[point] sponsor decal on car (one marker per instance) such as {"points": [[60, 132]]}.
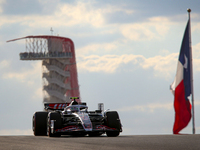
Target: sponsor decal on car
{"points": [[68, 128], [103, 127]]}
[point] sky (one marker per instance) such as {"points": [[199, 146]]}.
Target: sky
{"points": [[126, 52]]}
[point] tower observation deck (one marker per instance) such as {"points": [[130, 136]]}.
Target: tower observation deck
{"points": [[60, 80]]}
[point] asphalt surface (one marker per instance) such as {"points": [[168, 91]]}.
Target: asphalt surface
{"points": [[136, 142]]}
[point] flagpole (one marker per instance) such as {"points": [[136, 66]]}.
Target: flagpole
{"points": [[191, 66]]}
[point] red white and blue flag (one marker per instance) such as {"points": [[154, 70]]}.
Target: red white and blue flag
{"points": [[181, 87]]}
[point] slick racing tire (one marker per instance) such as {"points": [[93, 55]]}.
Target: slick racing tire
{"points": [[40, 123], [113, 121], [57, 124]]}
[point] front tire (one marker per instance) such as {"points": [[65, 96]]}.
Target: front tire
{"points": [[113, 121]]}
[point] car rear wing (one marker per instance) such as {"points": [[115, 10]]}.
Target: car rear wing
{"points": [[55, 106]]}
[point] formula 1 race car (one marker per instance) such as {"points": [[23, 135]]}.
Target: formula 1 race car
{"points": [[75, 119]]}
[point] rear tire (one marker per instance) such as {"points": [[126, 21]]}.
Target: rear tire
{"points": [[113, 121], [40, 123], [57, 124]]}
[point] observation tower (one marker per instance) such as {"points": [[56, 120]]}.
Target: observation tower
{"points": [[60, 80]]}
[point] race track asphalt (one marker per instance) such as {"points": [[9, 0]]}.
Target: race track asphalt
{"points": [[135, 142]]}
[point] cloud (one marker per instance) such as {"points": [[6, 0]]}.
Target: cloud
{"points": [[24, 74], [4, 64], [84, 14], [87, 12], [195, 27], [29, 77], [153, 28], [147, 108], [11, 7], [38, 94], [87, 16], [97, 47], [1, 2], [106, 63], [113, 9], [49, 7], [163, 66], [65, 15], [152, 107]]}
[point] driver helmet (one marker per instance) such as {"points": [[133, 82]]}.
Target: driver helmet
{"points": [[74, 102]]}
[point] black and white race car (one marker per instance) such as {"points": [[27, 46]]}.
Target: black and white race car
{"points": [[75, 119]]}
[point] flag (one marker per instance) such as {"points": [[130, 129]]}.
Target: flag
{"points": [[181, 87]]}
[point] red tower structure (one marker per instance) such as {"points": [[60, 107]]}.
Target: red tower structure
{"points": [[60, 78]]}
